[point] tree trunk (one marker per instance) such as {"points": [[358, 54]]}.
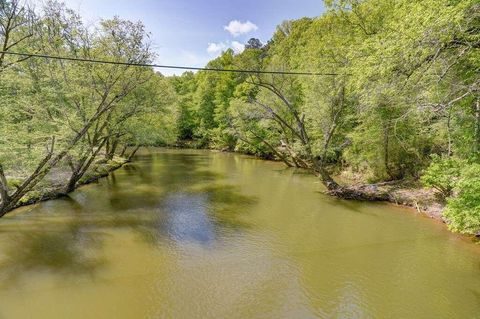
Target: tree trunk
{"points": [[72, 182], [299, 162], [4, 198], [449, 133], [111, 151], [82, 167], [360, 193], [272, 148], [124, 149], [386, 142], [107, 148], [129, 159], [477, 125]]}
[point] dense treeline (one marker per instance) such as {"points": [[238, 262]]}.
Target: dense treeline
{"points": [[403, 103], [398, 99], [58, 118]]}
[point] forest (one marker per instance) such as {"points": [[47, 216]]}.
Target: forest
{"points": [[392, 94]]}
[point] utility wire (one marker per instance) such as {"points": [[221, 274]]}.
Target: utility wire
{"points": [[54, 57]]}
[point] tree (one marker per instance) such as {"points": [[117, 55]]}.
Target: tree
{"points": [[254, 43], [80, 98], [16, 27]]}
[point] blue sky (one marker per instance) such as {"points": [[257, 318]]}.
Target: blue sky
{"points": [[188, 32]]}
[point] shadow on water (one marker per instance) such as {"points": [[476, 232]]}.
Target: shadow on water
{"points": [[476, 293], [228, 205], [350, 205], [63, 249], [145, 183], [170, 198], [148, 195]]}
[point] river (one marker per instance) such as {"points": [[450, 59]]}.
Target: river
{"points": [[199, 234]]}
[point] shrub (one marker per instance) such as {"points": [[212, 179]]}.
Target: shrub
{"points": [[442, 174], [463, 210]]}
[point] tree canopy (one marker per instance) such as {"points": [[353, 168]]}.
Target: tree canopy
{"points": [[398, 99]]}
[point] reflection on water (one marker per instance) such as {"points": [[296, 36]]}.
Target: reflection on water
{"points": [[195, 234], [188, 218], [178, 204]]}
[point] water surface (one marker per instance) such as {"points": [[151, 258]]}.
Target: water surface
{"points": [[197, 234]]}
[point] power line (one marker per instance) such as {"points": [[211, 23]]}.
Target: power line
{"points": [[54, 57]]}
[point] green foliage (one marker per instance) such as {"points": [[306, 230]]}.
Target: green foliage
{"points": [[184, 87], [443, 174], [463, 210]]}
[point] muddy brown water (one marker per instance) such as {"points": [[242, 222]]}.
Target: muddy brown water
{"points": [[198, 234]]}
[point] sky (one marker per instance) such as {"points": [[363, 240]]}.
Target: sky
{"points": [[192, 32]]}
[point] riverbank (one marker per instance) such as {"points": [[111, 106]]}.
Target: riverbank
{"points": [[407, 193], [53, 185], [424, 201], [412, 194]]}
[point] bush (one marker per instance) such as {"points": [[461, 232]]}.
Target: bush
{"points": [[442, 174], [222, 140], [463, 210]]}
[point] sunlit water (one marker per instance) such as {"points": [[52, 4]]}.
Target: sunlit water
{"points": [[196, 234]]}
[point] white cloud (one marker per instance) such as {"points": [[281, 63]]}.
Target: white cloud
{"points": [[237, 47], [237, 28], [215, 48]]}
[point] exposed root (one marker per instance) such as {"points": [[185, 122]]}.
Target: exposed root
{"points": [[368, 192]]}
